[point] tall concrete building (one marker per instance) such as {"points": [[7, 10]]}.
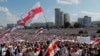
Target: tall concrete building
{"points": [[66, 17], [59, 18], [80, 20], [86, 21]]}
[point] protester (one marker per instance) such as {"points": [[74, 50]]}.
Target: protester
{"points": [[23, 43]]}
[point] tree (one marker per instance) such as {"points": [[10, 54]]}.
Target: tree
{"points": [[77, 25], [98, 24], [81, 32], [67, 24], [98, 31]]}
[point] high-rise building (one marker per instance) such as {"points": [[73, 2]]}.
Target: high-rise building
{"points": [[80, 20], [59, 18], [66, 17], [57, 10], [86, 21]]}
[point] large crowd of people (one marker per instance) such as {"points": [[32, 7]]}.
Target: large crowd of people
{"points": [[26, 43], [66, 48]]}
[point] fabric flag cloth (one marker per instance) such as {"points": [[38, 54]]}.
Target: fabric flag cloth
{"points": [[26, 19], [31, 14], [52, 49], [96, 41], [38, 51], [39, 31], [71, 40], [5, 34]]}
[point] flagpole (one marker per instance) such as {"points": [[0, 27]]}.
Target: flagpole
{"points": [[45, 21]]}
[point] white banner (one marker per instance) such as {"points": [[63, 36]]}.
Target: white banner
{"points": [[81, 39]]}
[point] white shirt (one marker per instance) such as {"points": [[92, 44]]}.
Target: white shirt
{"points": [[4, 51], [80, 52]]}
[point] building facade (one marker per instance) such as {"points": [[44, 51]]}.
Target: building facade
{"points": [[59, 18], [10, 25], [86, 21], [66, 17], [80, 20], [44, 25]]}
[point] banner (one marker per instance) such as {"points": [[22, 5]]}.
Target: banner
{"points": [[81, 39]]}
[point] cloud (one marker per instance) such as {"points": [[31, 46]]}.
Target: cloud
{"points": [[3, 0], [7, 16], [94, 15], [70, 2]]}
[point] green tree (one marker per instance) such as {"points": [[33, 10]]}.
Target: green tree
{"points": [[67, 24], [77, 25], [81, 32], [98, 25], [98, 31]]}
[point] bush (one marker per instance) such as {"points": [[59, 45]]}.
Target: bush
{"points": [[98, 31]]}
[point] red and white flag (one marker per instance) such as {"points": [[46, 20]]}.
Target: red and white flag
{"points": [[26, 19], [39, 31], [31, 14], [52, 49], [96, 40], [38, 51], [71, 40], [5, 34]]}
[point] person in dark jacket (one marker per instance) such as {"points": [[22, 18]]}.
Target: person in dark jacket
{"points": [[98, 52], [8, 52]]}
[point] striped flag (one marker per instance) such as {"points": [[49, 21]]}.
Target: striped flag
{"points": [[39, 31], [30, 15], [51, 51], [5, 34], [96, 41]]}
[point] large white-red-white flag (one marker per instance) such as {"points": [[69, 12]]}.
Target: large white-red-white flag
{"points": [[31, 14], [5, 34], [52, 49]]}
